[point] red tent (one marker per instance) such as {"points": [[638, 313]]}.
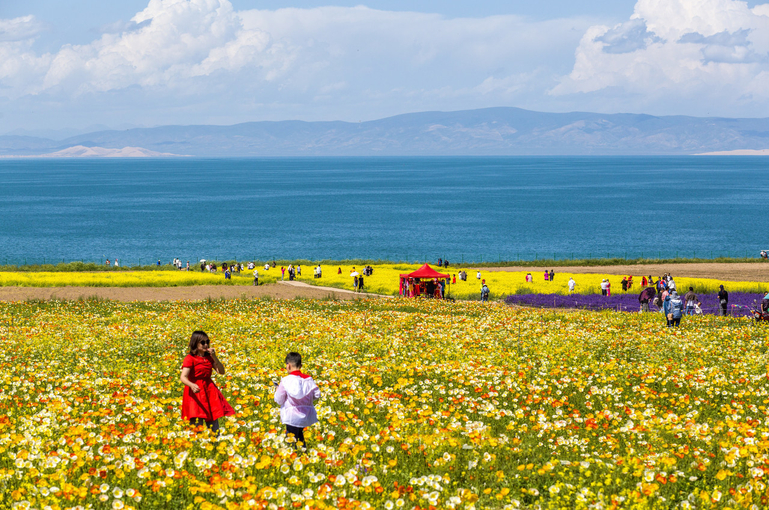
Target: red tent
{"points": [[425, 272]]}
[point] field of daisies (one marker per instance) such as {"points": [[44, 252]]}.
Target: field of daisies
{"points": [[425, 405]]}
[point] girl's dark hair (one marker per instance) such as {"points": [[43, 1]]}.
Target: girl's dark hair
{"points": [[195, 339]]}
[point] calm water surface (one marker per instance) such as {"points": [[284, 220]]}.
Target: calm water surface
{"points": [[392, 208]]}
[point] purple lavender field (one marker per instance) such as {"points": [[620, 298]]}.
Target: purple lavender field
{"points": [[740, 303]]}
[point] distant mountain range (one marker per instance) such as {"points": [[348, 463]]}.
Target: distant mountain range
{"points": [[489, 131]]}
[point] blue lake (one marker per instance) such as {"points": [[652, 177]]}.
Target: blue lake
{"points": [[506, 208]]}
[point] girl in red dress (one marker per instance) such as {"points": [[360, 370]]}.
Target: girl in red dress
{"points": [[202, 401]]}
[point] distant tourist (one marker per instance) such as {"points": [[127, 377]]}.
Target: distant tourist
{"points": [[552, 275], [484, 293], [603, 287], [440, 262], [107, 262], [723, 300], [256, 277], [690, 298], [547, 275], [674, 309], [478, 275], [572, 284], [116, 264]]}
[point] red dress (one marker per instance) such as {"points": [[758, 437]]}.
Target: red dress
{"points": [[209, 402]]}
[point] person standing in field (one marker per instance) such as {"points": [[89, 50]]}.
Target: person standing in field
{"points": [[256, 277], [202, 402], [671, 283], [547, 275], [674, 309], [296, 395], [484, 293], [282, 273], [608, 288], [572, 284], [690, 298], [723, 301], [552, 275], [603, 287]]}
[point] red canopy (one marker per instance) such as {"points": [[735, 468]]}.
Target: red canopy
{"points": [[425, 272]]}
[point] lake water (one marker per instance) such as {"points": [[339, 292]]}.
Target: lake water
{"points": [[471, 209]]}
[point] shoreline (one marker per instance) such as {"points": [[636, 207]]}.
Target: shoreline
{"points": [[305, 289]]}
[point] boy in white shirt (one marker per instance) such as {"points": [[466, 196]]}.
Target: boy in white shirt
{"points": [[572, 284], [296, 394]]}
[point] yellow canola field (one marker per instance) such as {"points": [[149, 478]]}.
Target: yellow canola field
{"points": [[424, 405], [123, 279], [383, 281]]}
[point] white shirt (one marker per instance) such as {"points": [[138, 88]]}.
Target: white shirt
{"points": [[295, 395], [256, 273], [572, 283], [478, 275], [266, 267]]}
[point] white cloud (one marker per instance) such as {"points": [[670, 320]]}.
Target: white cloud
{"points": [[203, 46], [19, 29], [679, 54]]}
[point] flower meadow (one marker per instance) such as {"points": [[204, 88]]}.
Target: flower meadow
{"points": [[425, 405], [385, 280]]}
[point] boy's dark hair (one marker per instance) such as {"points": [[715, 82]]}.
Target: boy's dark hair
{"points": [[294, 359], [691, 289]]}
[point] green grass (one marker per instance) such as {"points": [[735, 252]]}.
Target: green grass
{"points": [[309, 264]]}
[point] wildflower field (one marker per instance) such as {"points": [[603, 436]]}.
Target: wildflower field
{"points": [[425, 405], [383, 281]]}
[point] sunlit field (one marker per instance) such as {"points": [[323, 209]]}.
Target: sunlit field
{"points": [[425, 404], [383, 281]]}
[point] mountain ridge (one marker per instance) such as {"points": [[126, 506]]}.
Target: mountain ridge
{"points": [[481, 132]]}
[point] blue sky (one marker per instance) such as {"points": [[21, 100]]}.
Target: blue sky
{"points": [[76, 65]]}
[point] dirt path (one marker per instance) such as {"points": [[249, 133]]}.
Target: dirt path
{"points": [[352, 294], [193, 293], [736, 272]]}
